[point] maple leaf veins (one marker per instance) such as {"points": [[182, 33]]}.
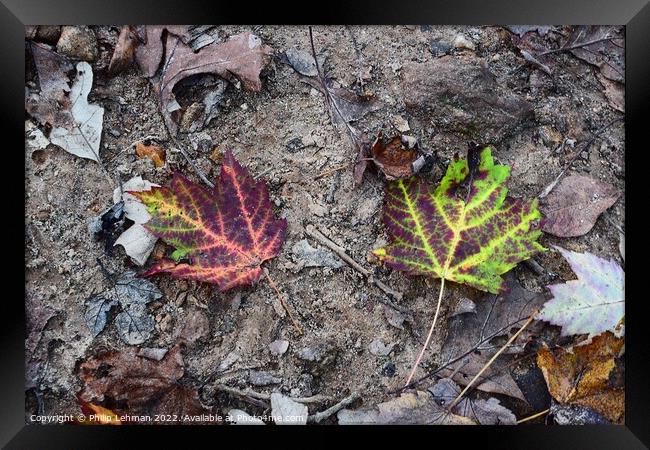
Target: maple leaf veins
{"points": [[467, 237], [225, 233]]}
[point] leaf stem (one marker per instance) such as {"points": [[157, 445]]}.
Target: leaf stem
{"points": [[426, 344], [489, 363], [284, 305]]}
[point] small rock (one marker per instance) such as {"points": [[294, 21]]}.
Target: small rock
{"points": [[228, 361], [295, 145], [316, 208], [114, 132], [409, 141], [302, 62], [401, 124], [378, 348], [153, 353], [388, 370], [278, 347], [48, 33], [309, 256], [285, 411], [239, 417], [78, 42], [439, 47], [262, 378], [318, 356], [394, 317], [462, 42]]}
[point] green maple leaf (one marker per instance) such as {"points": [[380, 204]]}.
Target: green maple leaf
{"points": [[468, 237]]}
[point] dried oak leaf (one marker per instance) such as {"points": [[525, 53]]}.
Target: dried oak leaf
{"points": [[131, 384], [226, 233], [601, 46], [468, 236], [147, 149], [124, 50], [581, 375], [393, 158], [241, 57], [573, 207], [593, 303]]}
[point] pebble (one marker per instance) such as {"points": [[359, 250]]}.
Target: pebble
{"points": [[462, 42], [388, 370], [400, 124], [409, 141], [323, 354], [78, 42], [263, 378], [279, 347], [439, 47], [378, 348]]}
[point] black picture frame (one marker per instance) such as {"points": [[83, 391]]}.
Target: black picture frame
{"points": [[15, 14]]}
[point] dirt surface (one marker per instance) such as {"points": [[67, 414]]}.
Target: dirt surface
{"points": [[284, 135]]}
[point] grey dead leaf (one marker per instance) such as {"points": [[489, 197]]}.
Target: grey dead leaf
{"points": [[308, 256], [137, 241], [302, 62], [50, 105], [97, 312], [494, 315], [240, 58], [286, 411], [134, 323], [483, 412], [410, 408], [81, 135], [573, 207], [132, 294]]}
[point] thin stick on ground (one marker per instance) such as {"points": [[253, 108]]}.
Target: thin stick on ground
{"points": [[489, 363], [311, 231], [319, 416], [426, 343], [267, 397], [284, 305], [534, 416]]}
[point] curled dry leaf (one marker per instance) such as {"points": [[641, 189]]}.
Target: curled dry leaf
{"points": [[242, 57], [393, 158], [137, 241], [131, 384], [581, 375], [97, 415], [148, 149], [573, 207], [593, 303]]}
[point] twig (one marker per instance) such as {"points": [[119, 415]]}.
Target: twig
{"points": [[534, 416], [311, 231], [333, 409], [573, 47], [426, 343], [551, 186], [260, 396], [284, 305], [331, 171], [489, 363]]}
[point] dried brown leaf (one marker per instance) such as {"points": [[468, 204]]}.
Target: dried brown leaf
{"points": [[581, 375], [573, 207], [393, 158], [147, 149]]}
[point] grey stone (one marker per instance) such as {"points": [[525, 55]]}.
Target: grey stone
{"points": [[78, 42]]}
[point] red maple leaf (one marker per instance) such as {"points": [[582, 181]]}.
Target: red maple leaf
{"points": [[225, 233]]}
